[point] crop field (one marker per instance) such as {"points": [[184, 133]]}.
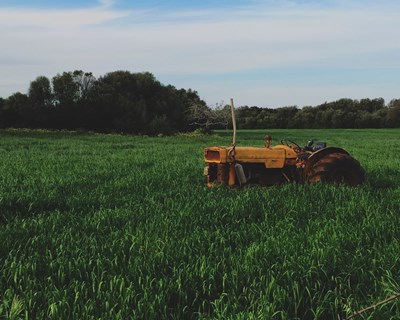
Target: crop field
{"points": [[123, 227]]}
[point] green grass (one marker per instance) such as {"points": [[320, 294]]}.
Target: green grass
{"points": [[121, 227]]}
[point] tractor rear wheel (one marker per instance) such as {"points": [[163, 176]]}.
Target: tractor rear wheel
{"points": [[337, 168]]}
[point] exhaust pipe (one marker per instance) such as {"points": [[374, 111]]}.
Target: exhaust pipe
{"points": [[240, 174]]}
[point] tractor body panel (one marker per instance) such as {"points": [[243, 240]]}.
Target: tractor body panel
{"points": [[273, 158], [216, 154], [270, 158], [232, 166]]}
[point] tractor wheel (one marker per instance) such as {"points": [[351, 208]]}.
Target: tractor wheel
{"points": [[337, 168]]}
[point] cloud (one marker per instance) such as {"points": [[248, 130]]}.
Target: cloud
{"points": [[263, 40], [106, 3], [20, 18]]}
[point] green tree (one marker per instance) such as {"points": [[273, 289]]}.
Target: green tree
{"points": [[85, 81], [2, 104], [304, 119], [40, 93], [371, 106], [14, 113], [282, 116], [129, 102], [342, 119], [66, 90], [393, 113]]}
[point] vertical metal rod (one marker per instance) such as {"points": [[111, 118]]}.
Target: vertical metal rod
{"points": [[233, 123]]}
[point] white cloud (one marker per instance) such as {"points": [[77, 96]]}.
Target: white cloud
{"points": [[235, 43], [107, 3], [21, 18]]}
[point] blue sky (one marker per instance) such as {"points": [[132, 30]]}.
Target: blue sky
{"points": [[268, 53]]}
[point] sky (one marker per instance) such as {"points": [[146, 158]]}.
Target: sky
{"points": [[266, 53]]}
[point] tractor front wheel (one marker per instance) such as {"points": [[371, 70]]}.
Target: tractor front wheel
{"points": [[337, 168]]}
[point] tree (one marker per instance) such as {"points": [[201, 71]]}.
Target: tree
{"points": [[371, 106], [202, 116], [304, 119], [14, 111], [111, 97], [2, 104], [393, 113], [66, 90], [85, 81], [343, 119], [72, 87], [282, 117], [40, 93], [129, 102]]}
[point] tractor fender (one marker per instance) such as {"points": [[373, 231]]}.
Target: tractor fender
{"points": [[316, 156]]}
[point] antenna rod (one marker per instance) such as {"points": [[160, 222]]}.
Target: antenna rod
{"points": [[233, 123]]}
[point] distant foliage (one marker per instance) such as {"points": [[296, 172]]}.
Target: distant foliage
{"points": [[343, 113], [119, 101], [137, 103]]}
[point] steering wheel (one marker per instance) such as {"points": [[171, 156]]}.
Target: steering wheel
{"points": [[290, 144]]}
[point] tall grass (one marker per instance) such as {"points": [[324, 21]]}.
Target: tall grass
{"points": [[121, 227]]}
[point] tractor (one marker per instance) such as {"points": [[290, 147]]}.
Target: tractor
{"points": [[286, 162]]}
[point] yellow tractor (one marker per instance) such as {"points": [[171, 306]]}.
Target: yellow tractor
{"points": [[286, 162]]}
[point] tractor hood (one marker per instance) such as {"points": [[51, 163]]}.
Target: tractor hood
{"points": [[274, 157]]}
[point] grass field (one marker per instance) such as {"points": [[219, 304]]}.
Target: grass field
{"points": [[121, 227]]}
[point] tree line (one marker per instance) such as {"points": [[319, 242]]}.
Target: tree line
{"points": [[343, 113], [119, 101], [138, 103]]}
